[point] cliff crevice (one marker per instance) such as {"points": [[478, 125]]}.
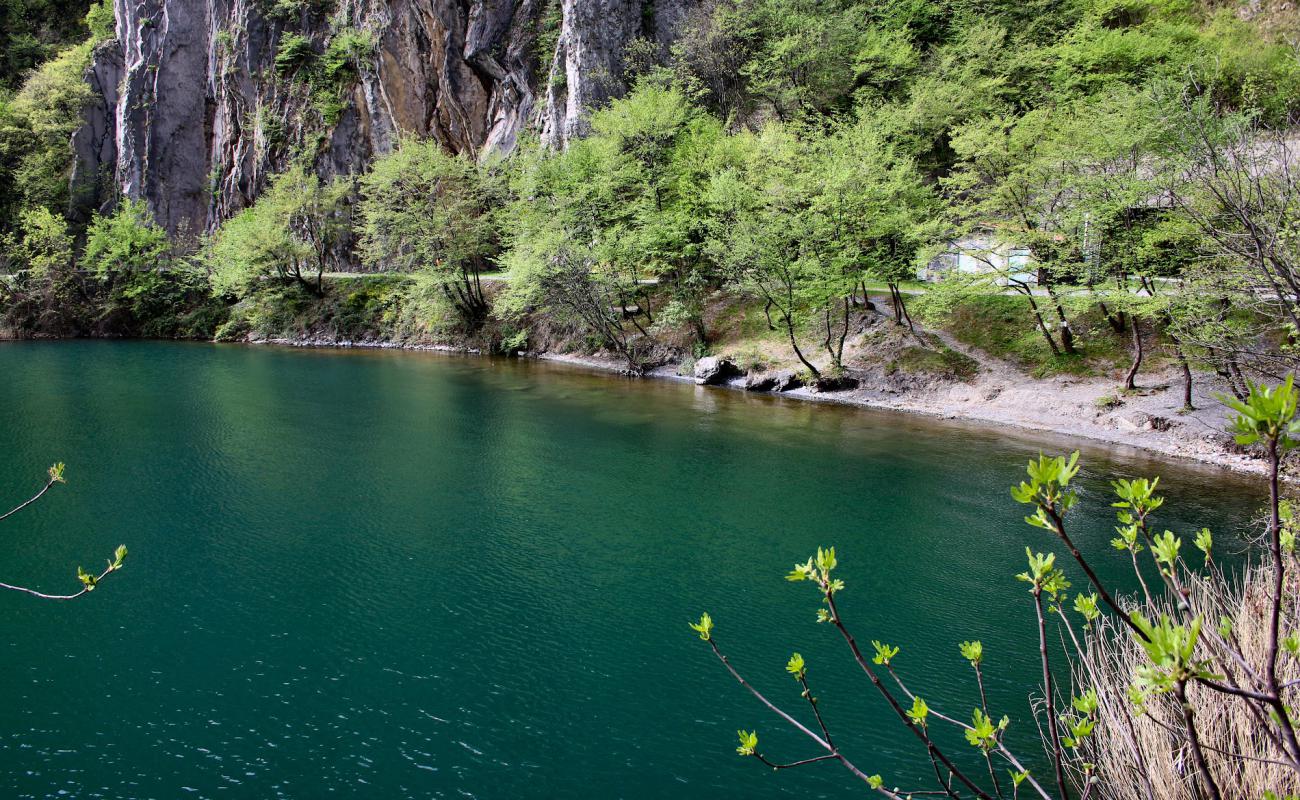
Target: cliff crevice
{"points": [[201, 101]]}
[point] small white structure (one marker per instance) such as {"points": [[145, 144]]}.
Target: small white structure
{"points": [[982, 253]]}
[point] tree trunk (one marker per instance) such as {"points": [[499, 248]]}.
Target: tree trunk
{"points": [[789, 329], [1187, 373], [1137, 356], [1067, 335], [902, 306], [1238, 383], [844, 334], [1042, 323]]}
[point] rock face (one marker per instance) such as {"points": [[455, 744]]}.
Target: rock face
{"points": [[203, 100], [715, 371]]}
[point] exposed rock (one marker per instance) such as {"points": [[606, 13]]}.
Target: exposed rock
{"points": [[760, 382], [834, 383], [94, 144], [715, 371], [786, 380], [204, 115], [1160, 423], [961, 393], [1136, 421]]}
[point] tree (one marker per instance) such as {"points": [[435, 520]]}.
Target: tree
{"points": [[1010, 176], [286, 236], [424, 209], [565, 253], [1179, 649], [138, 284], [629, 203], [874, 206], [1237, 182], [661, 153], [44, 292], [89, 580], [763, 232], [36, 126]]}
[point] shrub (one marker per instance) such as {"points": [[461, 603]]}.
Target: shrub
{"points": [[294, 53]]}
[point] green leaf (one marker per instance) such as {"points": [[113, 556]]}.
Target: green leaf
{"points": [[796, 667], [919, 711], [704, 627], [1086, 605], [884, 653], [1204, 542], [1165, 548], [748, 743]]}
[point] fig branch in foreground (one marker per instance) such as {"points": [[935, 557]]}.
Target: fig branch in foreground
{"points": [[1178, 650], [89, 580]]}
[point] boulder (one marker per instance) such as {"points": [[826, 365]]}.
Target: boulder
{"points": [[785, 380], [715, 371], [760, 382]]}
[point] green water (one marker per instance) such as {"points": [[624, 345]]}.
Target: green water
{"points": [[387, 575]]}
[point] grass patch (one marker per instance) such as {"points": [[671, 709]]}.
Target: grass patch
{"points": [[1004, 327], [942, 362]]}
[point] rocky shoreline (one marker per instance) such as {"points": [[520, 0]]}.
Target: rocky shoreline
{"points": [[1150, 419]]}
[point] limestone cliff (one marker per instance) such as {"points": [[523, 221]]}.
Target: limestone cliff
{"points": [[202, 100]]}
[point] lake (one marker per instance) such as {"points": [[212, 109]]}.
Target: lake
{"points": [[384, 574]]}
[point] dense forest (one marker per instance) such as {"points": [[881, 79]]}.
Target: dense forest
{"points": [[781, 161]]}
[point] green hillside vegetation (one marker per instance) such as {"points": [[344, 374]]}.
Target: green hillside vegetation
{"points": [[788, 162]]}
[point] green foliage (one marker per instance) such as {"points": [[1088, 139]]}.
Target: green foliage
{"points": [[1086, 606], [1266, 415], [425, 210], [142, 289], [1048, 488], [34, 31], [983, 733], [44, 246], [704, 627], [919, 713], [884, 653], [748, 743], [285, 237], [1043, 576], [294, 53], [1171, 650], [1204, 542], [100, 21], [348, 51], [35, 129], [796, 667], [125, 241]]}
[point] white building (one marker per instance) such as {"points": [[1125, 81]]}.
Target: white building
{"points": [[981, 253]]}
